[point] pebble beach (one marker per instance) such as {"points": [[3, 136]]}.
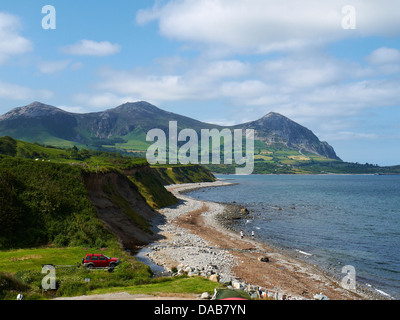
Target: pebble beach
{"points": [[196, 238]]}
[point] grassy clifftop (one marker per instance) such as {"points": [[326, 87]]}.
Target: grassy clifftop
{"points": [[182, 174]]}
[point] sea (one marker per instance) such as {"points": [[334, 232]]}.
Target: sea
{"points": [[332, 221]]}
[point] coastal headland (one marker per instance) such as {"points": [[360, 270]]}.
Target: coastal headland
{"points": [[197, 242]]}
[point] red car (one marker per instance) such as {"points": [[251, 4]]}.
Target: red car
{"points": [[95, 260]]}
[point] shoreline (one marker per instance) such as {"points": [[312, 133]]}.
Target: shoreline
{"points": [[197, 240]]}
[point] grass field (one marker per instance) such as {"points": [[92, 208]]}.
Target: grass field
{"points": [[21, 272], [13, 261]]}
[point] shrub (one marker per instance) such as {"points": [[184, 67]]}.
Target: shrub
{"points": [[71, 288]]}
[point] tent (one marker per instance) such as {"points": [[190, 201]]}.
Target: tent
{"points": [[230, 294]]}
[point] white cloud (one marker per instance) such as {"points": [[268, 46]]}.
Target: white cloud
{"points": [[73, 109], [169, 87], [383, 56], [220, 122], [171, 64], [11, 42], [274, 25], [246, 89], [92, 48], [308, 71], [317, 85], [224, 69], [17, 92], [102, 100], [49, 67], [348, 135]]}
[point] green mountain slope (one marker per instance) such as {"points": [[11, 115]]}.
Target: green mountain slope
{"points": [[123, 129]]}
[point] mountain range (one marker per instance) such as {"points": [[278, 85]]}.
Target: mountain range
{"points": [[124, 129]]}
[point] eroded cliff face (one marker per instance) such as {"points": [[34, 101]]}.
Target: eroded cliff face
{"points": [[122, 208], [126, 202]]}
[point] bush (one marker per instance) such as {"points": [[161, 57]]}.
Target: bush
{"points": [[136, 272], [31, 278], [71, 288], [8, 146]]}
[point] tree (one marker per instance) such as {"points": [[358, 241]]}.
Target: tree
{"points": [[8, 146]]}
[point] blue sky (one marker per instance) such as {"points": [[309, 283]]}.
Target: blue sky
{"points": [[219, 61]]}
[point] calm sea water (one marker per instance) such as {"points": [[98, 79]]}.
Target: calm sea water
{"points": [[337, 219]]}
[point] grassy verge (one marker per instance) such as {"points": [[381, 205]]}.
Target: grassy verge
{"points": [[21, 272], [167, 286]]}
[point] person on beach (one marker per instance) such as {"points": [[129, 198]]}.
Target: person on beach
{"points": [[252, 234], [241, 234]]}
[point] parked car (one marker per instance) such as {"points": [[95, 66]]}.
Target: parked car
{"points": [[95, 260]]}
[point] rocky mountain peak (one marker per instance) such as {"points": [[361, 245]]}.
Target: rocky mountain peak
{"points": [[140, 106], [32, 110], [275, 128], [273, 115]]}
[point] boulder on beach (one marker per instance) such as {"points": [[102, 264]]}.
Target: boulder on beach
{"points": [[238, 285], [244, 211], [214, 277], [263, 259], [205, 296]]}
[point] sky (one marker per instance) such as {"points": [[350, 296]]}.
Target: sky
{"points": [[332, 66]]}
